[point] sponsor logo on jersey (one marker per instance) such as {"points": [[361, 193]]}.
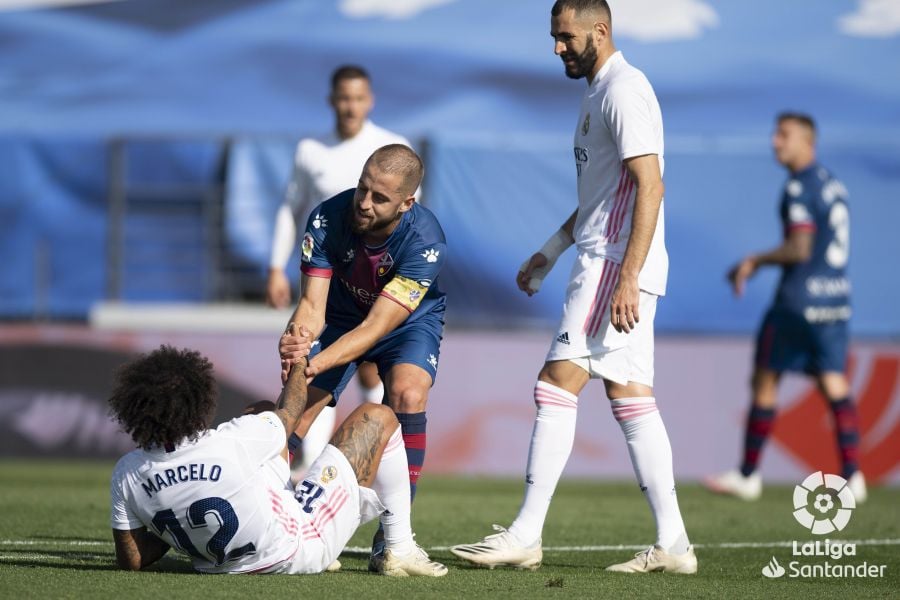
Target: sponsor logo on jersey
{"points": [[431, 255], [563, 338], [306, 247], [794, 188], [414, 295], [581, 159], [385, 264], [432, 360], [365, 296], [425, 283], [586, 125], [351, 254]]}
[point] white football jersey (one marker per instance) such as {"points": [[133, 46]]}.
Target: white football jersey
{"points": [[326, 166], [620, 118], [323, 167], [222, 500]]}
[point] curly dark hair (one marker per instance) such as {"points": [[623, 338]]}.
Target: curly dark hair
{"points": [[165, 396]]}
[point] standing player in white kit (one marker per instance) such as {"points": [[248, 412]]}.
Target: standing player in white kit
{"points": [[606, 329]]}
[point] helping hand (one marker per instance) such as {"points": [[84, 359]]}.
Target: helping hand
{"points": [[294, 345]]}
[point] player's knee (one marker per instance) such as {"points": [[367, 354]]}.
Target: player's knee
{"points": [[407, 398], [380, 413]]}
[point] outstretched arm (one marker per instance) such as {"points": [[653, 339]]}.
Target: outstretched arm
{"points": [[385, 316], [137, 548], [309, 315], [292, 402], [797, 248]]}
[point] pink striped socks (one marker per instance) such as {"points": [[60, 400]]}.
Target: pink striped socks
{"points": [[551, 444], [651, 457]]}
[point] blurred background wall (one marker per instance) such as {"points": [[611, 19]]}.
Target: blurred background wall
{"points": [[145, 146]]}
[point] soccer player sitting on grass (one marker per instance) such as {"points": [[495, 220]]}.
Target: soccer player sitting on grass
{"points": [[220, 497]]}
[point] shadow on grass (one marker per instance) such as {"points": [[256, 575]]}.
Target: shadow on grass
{"points": [[100, 561]]}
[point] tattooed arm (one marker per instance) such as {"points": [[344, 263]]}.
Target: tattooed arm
{"points": [[293, 398], [137, 548]]}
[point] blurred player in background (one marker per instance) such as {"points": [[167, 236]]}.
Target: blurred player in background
{"points": [[805, 329], [607, 324], [219, 496], [323, 167], [370, 262]]}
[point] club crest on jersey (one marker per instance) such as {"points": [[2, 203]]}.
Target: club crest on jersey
{"points": [[586, 125], [328, 474], [384, 264], [319, 221], [306, 247]]}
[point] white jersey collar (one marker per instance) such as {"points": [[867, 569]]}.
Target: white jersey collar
{"points": [[614, 59]]}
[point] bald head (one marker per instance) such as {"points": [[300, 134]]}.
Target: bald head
{"points": [[397, 159]]}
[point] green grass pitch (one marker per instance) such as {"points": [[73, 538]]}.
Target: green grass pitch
{"points": [[55, 543]]}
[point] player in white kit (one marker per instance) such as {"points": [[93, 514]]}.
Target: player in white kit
{"points": [[325, 166], [606, 330], [220, 496]]}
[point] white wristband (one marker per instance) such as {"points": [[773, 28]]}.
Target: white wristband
{"points": [[552, 249]]}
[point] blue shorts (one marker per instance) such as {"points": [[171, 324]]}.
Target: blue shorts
{"points": [[788, 342], [417, 343]]}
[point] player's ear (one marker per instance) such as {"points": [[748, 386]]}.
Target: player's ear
{"points": [[407, 204]]}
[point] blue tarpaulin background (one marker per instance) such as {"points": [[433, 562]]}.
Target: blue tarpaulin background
{"points": [[217, 93]]}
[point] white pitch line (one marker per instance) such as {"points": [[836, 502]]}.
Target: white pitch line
{"points": [[608, 548], [721, 545]]}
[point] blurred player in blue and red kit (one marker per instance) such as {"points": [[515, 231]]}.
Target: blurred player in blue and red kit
{"points": [[805, 329], [370, 261]]}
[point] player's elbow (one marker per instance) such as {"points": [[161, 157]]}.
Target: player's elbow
{"points": [[128, 563]]}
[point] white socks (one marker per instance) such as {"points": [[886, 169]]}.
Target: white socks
{"points": [[318, 436], [651, 456], [392, 486], [551, 444], [373, 395]]}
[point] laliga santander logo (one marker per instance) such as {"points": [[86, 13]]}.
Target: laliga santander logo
{"points": [[823, 503], [773, 569]]}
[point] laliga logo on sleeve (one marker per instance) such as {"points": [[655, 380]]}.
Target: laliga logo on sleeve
{"points": [[823, 503]]}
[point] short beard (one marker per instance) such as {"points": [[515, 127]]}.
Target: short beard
{"points": [[584, 62], [373, 226]]}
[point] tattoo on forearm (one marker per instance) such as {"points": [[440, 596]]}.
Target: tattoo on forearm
{"points": [[293, 398], [359, 441]]}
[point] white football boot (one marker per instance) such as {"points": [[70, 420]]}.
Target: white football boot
{"points": [[655, 558], [501, 550], [735, 484], [416, 562]]}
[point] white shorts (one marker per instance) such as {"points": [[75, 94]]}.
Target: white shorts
{"points": [[333, 505], [587, 338]]}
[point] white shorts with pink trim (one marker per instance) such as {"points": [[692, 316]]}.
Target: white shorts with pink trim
{"points": [[586, 336], [333, 505]]}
